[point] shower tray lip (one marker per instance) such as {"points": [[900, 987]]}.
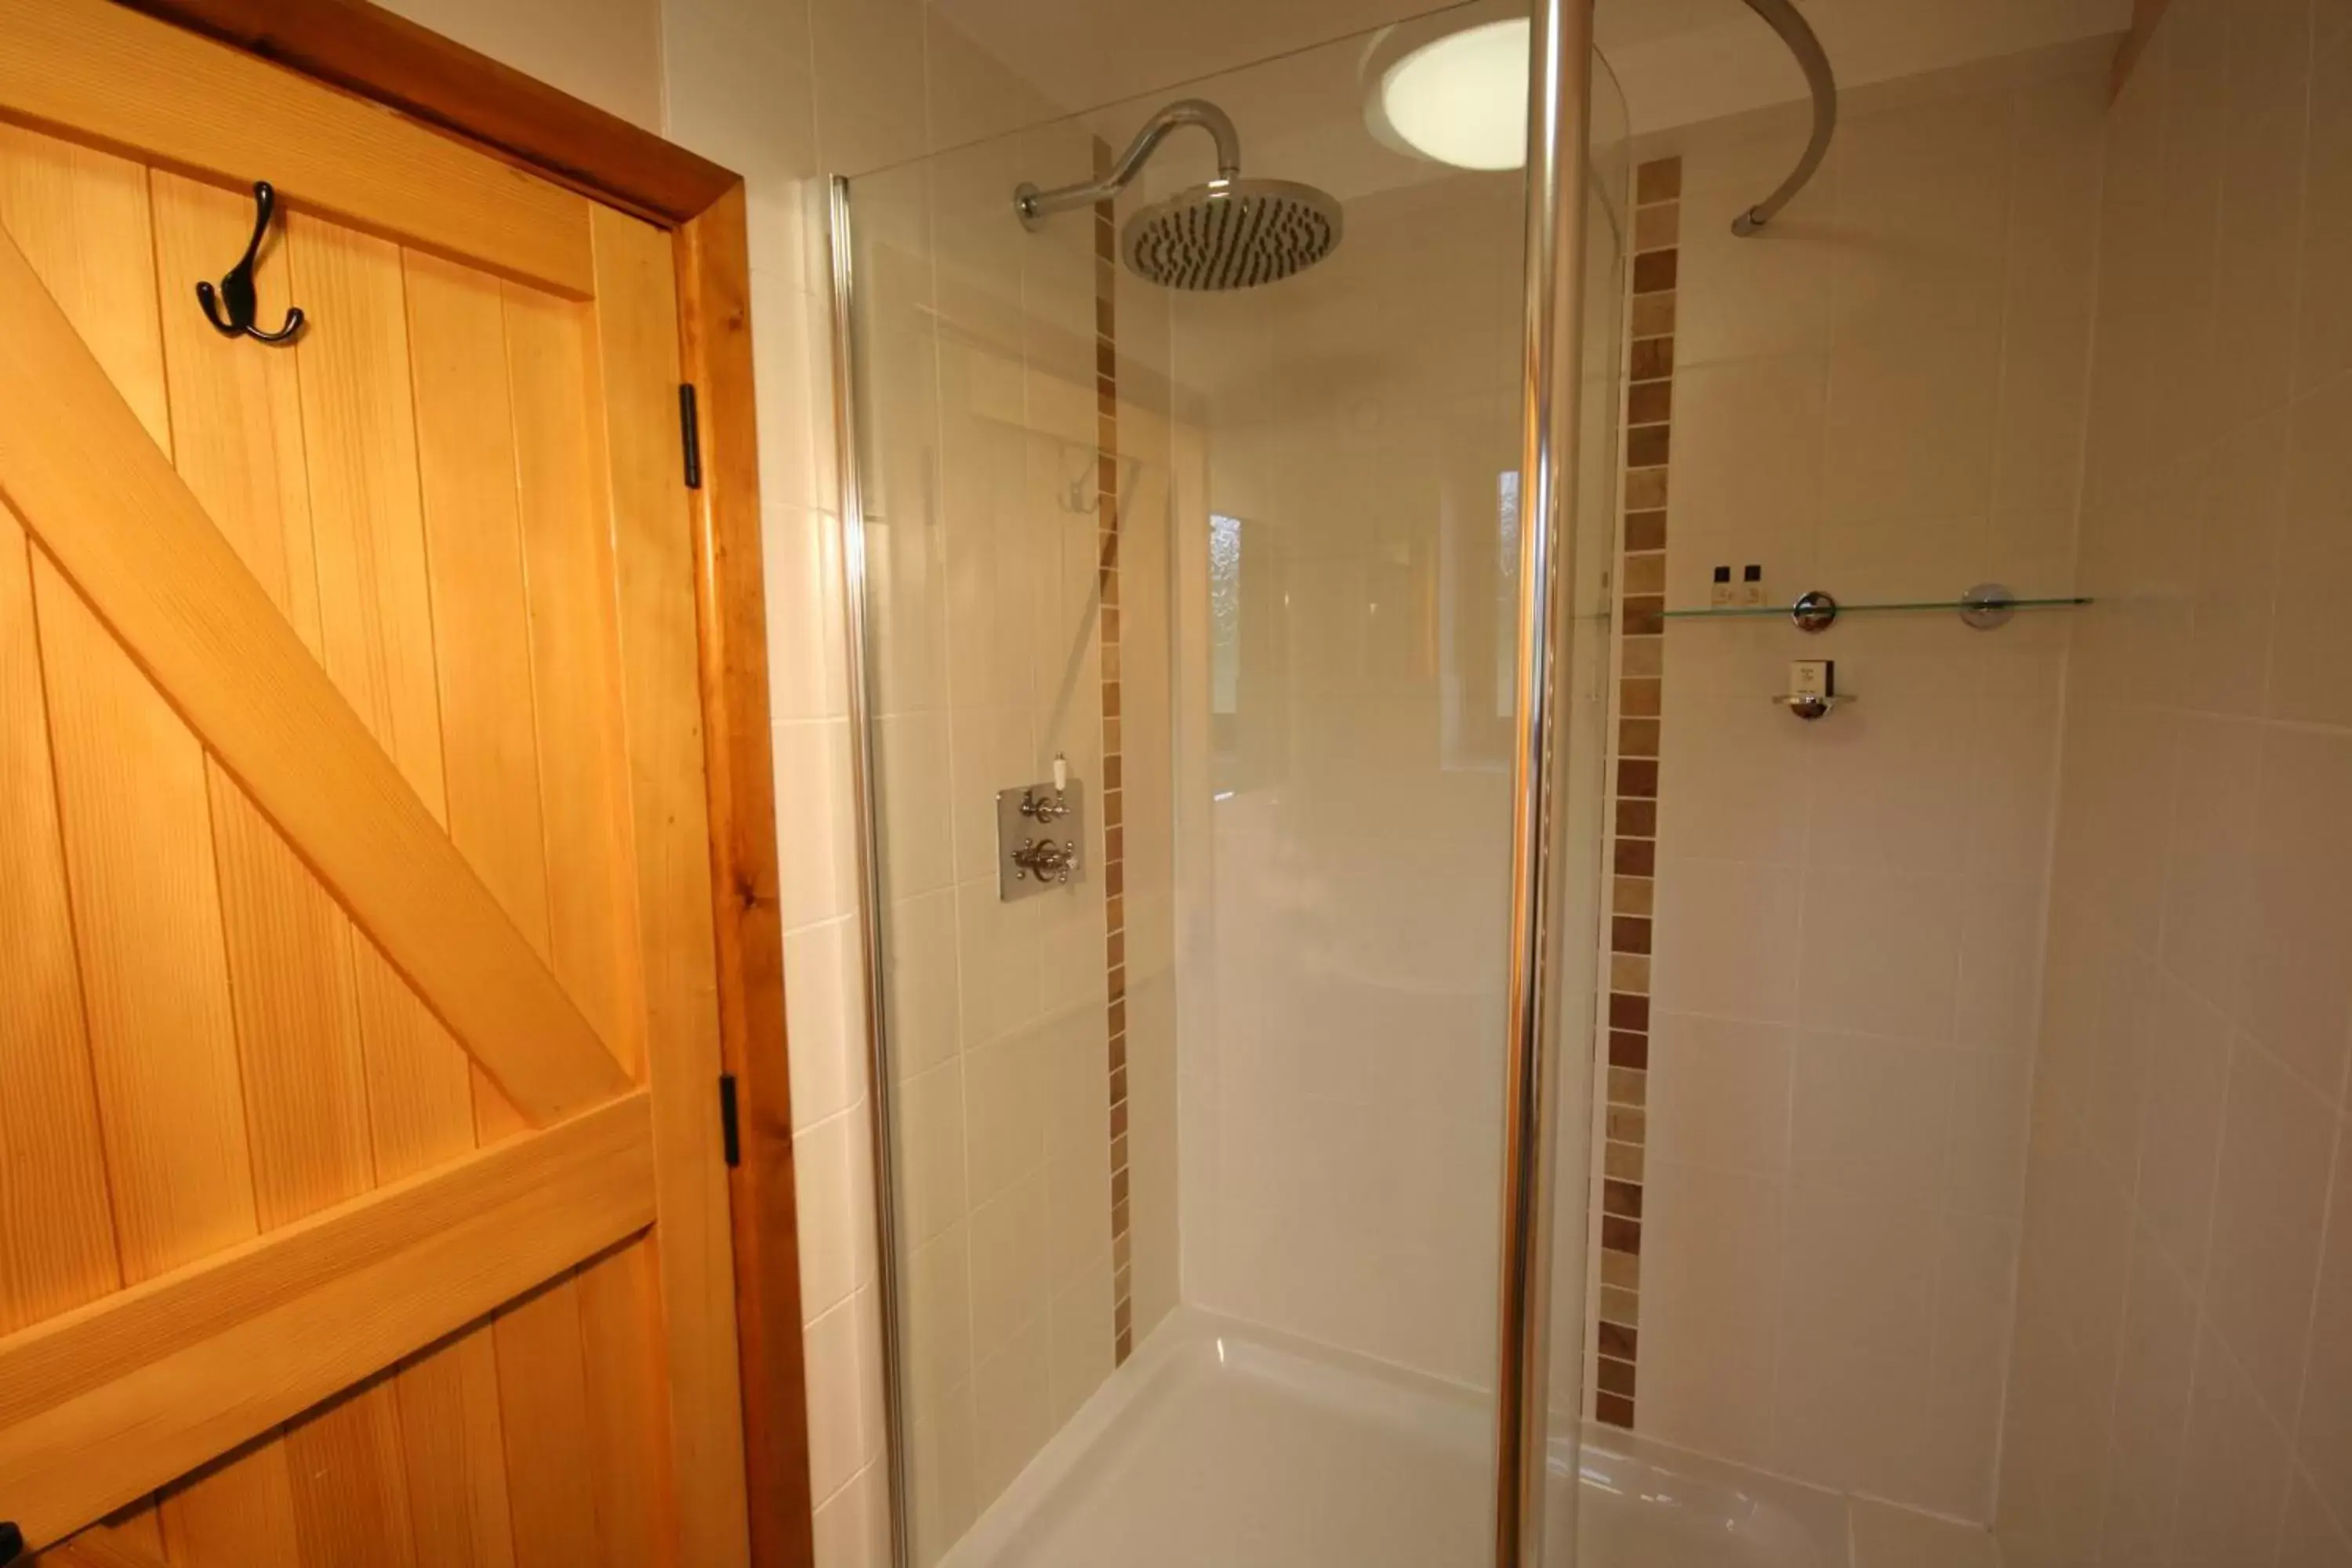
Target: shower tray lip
{"points": [[1645, 1503]]}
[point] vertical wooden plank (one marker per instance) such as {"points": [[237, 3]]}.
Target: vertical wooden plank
{"points": [[467, 469], [715, 328], [56, 1237], [575, 660], [134, 819], [637, 362], [236, 439], [376, 638]]}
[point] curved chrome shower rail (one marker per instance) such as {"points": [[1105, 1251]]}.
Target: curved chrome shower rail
{"points": [[1033, 203], [1785, 19]]}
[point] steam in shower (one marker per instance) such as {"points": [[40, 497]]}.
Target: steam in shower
{"points": [[1231, 233]]}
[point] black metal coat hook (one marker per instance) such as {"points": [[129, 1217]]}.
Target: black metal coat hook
{"points": [[237, 295]]}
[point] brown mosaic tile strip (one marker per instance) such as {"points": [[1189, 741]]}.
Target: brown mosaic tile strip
{"points": [[1633, 853], [1113, 806]]}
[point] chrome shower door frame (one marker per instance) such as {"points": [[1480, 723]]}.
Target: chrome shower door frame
{"points": [[1559, 135], [880, 1085]]}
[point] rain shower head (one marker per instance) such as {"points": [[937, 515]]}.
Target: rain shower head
{"points": [[1231, 233]]}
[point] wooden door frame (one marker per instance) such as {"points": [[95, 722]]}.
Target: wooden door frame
{"points": [[389, 60]]}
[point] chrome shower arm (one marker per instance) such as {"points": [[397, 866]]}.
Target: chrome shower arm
{"points": [[1785, 19], [1034, 203]]}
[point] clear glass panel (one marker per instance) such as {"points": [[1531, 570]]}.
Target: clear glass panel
{"points": [[1576, 1513], [1195, 1158]]}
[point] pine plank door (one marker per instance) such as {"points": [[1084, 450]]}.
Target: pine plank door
{"points": [[361, 1196]]}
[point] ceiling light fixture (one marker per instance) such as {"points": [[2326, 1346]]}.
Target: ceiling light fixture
{"points": [[1463, 98]]}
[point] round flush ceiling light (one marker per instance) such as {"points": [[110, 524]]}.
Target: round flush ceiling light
{"points": [[1463, 98]]}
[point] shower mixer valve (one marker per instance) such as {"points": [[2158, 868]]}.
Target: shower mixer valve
{"points": [[1039, 829]]}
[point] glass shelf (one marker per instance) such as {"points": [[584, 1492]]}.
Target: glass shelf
{"points": [[1752, 612], [1985, 607]]}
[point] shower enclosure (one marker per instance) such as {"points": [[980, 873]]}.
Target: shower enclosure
{"points": [[1231, 674]]}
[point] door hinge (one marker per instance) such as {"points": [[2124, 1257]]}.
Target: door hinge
{"points": [[730, 1131], [689, 431]]}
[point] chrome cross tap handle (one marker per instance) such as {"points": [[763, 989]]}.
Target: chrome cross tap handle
{"points": [[1047, 860], [1045, 808]]}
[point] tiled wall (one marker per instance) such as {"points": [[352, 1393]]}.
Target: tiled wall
{"points": [[1881, 398], [788, 93], [1342, 1027], [2181, 1391]]}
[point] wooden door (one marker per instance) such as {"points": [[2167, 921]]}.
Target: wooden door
{"points": [[362, 1195]]}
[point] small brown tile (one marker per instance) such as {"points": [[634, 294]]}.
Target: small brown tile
{"points": [[1618, 1339], [1645, 490], [1657, 227], [1623, 1271], [1629, 1049], [1110, 627], [1651, 359], [1119, 1016], [1110, 700], [1119, 1165], [1627, 934], [1622, 1199], [1626, 1123], [1653, 316], [1629, 973], [1114, 770], [1609, 1409], [1123, 1346], [1616, 1377], [1637, 738], [1649, 445], [1121, 1249], [1115, 911], [1114, 878], [1635, 857], [1114, 836], [1119, 1083], [1119, 1217], [1646, 530], [1117, 948], [1655, 273], [1620, 1235], [1660, 180], [1118, 1119], [1640, 698], [1637, 777], [1106, 324], [1645, 575], [1651, 402], [1645, 617], [1117, 1051], [1620, 1305], [1621, 1161], [1643, 658], [1632, 893], [1629, 1012], [1627, 1087]]}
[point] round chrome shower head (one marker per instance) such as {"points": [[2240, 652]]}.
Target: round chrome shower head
{"points": [[1230, 234]]}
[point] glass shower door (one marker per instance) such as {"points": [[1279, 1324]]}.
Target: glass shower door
{"points": [[1191, 1158]]}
